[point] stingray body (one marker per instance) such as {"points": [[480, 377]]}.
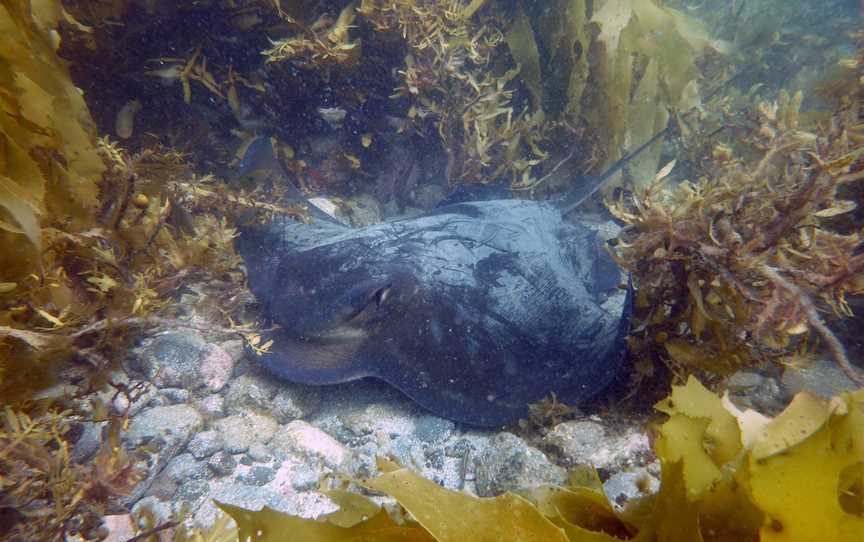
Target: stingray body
{"points": [[473, 310]]}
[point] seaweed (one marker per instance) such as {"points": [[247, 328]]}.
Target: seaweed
{"points": [[45, 496], [733, 268]]}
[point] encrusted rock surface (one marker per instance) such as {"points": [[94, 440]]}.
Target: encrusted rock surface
{"points": [[588, 442], [509, 464]]}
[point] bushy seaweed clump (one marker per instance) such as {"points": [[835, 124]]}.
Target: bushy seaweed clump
{"points": [[94, 243], [509, 90], [45, 495], [735, 268]]}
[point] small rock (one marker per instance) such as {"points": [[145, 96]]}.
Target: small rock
{"points": [[57, 392], [165, 426], [184, 467], [434, 458], [222, 463], [625, 486], [752, 390], [162, 487], [305, 479], [157, 399], [120, 403], [250, 391], [509, 464], [260, 452], [191, 491], [583, 442], [294, 401], [172, 359], [216, 368], [241, 430], [257, 475], [309, 441], [212, 405], [433, 429], [234, 348], [249, 497], [205, 444], [174, 395], [459, 449], [247, 460], [824, 378]]}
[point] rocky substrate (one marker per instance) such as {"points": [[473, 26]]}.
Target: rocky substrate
{"points": [[216, 426]]}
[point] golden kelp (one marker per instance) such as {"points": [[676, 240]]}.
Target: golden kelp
{"points": [[651, 48], [94, 239], [49, 167], [726, 476]]}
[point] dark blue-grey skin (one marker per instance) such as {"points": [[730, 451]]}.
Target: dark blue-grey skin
{"points": [[474, 310]]}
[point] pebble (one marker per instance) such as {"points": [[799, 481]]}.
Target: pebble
{"points": [[222, 463], [174, 396], [294, 401], [161, 511], [583, 442], [824, 378], [257, 475], [509, 464], [433, 429], [241, 430], [191, 490], [249, 391], [212, 405], [183, 467], [169, 426], [260, 452], [205, 444], [752, 390], [216, 368], [310, 442], [380, 419], [86, 438], [624, 486], [172, 359]]}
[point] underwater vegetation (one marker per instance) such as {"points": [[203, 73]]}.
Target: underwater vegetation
{"points": [[510, 90], [732, 267], [755, 259]]}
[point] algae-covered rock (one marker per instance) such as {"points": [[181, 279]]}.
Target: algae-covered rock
{"points": [[166, 427], [241, 430], [509, 464]]}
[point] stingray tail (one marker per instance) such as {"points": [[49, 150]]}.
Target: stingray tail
{"points": [[588, 185]]}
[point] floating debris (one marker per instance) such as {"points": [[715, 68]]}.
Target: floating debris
{"points": [[125, 123]]}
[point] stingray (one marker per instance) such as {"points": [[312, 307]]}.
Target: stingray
{"points": [[474, 310]]}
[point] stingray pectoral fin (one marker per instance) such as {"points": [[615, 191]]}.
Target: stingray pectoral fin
{"points": [[318, 360]]}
